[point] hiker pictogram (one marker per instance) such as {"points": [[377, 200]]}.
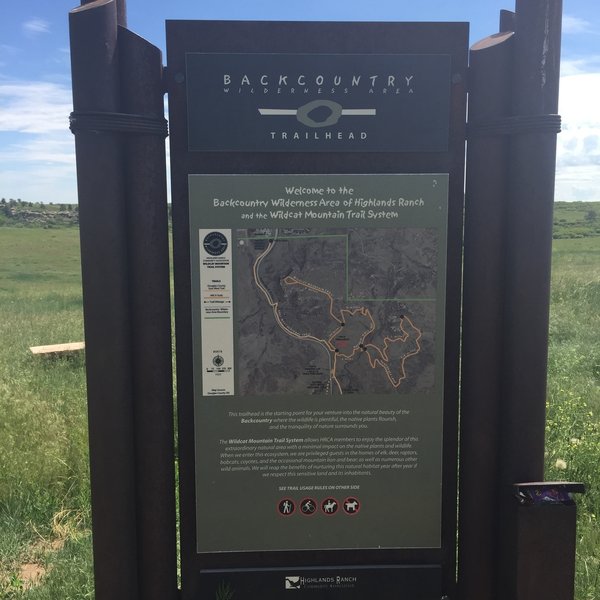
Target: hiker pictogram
{"points": [[286, 507]]}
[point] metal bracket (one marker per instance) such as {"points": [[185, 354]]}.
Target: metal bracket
{"points": [[515, 125], [119, 123]]}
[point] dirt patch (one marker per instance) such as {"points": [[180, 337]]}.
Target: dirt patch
{"points": [[35, 559], [43, 546], [31, 574]]}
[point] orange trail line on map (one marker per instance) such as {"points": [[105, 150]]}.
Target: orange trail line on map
{"points": [[382, 361], [383, 353]]}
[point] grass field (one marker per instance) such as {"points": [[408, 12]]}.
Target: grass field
{"points": [[576, 220], [45, 538], [573, 415], [44, 483]]}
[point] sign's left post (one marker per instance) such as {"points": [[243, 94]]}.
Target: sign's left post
{"points": [[124, 253]]}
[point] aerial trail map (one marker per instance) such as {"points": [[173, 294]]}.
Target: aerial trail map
{"points": [[335, 311]]}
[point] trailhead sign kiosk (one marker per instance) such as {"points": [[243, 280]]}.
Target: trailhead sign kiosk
{"points": [[317, 200], [331, 281]]}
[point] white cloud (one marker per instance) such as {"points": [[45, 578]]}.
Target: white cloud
{"points": [[39, 169], [580, 66], [37, 158], [36, 26], [572, 25], [40, 184], [578, 150], [51, 149], [34, 106]]}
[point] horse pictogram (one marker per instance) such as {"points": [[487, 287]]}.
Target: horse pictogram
{"points": [[329, 506]]}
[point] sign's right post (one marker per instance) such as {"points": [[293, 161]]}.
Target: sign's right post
{"points": [[510, 545]]}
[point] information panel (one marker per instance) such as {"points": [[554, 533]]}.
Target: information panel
{"points": [[318, 306]]}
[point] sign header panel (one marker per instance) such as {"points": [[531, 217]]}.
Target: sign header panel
{"points": [[318, 102]]}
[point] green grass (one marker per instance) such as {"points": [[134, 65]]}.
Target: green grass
{"points": [[44, 482], [43, 430], [576, 220], [573, 413], [574, 352]]}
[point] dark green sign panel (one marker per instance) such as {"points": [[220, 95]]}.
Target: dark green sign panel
{"points": [[318, 307]]}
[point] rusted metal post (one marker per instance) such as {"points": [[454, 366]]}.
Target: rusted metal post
{"points": [[142, 95], [121, 10], [507, 21], [481, 379], [122, 13], [527, 276], [529, 238], [101, 189]]}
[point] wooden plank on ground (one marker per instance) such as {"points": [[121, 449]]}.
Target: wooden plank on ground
{"points": [[57, 349]]}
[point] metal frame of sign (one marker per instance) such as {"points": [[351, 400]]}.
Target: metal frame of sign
{"points": [[450, 39]]}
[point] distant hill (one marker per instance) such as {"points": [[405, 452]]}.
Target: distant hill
{"points": [[16, 213]]}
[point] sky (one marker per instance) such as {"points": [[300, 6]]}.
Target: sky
{"points": [[37, 157]]}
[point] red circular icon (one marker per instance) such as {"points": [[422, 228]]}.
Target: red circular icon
{"points": [[308, 506], [351, 505], [330, 506], [286, 507]]}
